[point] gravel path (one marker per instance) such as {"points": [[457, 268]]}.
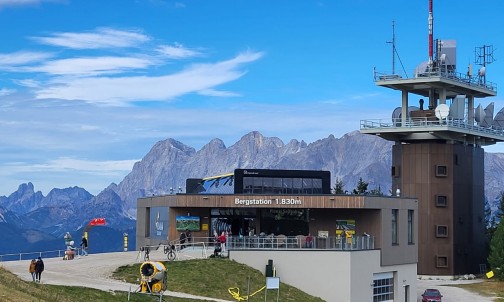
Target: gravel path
{"points": [[92, 271], [95, 270]]}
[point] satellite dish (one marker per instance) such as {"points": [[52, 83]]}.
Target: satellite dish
{"points": [[457, 107], [498, 122], [396, 116], [479, 114], [443, 58], [482, 71], [442, 111], [488, 120]]}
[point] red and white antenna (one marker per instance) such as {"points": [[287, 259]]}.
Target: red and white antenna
{"points": [[431, 31]]}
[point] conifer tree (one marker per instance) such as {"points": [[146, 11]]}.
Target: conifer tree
{"points": [[496, 256], [339, 186], [361, 188]]}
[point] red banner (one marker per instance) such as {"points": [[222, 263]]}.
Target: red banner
{"points": [[97, 221]]}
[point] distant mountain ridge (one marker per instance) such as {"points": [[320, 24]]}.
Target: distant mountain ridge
{"points": [[169, 163]]}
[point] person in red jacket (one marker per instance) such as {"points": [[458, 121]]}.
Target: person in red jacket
{"points": [[222, 240]]}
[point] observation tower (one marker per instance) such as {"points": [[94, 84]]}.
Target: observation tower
{"points": [[438, 156]]}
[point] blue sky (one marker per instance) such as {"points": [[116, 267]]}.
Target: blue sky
{"points": [[88, 87]]}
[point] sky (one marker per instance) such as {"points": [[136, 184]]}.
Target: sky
{"points": [[88, 87]]}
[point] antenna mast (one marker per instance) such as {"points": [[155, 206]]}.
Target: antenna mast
{"points": [[431, 32], [483, 55], [393, 47]]}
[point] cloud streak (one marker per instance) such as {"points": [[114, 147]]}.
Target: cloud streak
{"points": [[122, 90], [98, 39]]}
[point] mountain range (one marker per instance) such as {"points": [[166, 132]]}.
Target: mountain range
{"points": [[30, 221]]}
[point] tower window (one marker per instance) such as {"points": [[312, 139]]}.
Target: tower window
{"points": [[441, 231], [441, 171], [441, 261], [395, 171], [441, 201]]}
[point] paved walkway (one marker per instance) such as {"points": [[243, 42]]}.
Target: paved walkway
{"points": [[94, 271], [451, 293]]}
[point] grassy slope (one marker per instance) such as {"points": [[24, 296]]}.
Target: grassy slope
{"points": [[213, 277], [210, 278]]}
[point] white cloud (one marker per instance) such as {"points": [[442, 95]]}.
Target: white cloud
{"points": [[7, 61], [67, 164], [18, 2], [6, 3], [100, 38], [177, 52], [5, 91], [120, 90], [91, 66], [219, 93]]}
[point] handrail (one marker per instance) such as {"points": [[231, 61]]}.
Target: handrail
{"points": [[34, 255], [441, 72], [426, 122]]}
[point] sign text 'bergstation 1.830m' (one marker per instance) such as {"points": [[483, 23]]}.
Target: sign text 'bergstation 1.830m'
{"points": [[261, 202]]}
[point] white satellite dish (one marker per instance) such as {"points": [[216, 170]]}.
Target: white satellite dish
{"points": [[396, 116], [482, 71], [488, 120], [498, 122], [442, 111], [479, 114], [457, 108]]}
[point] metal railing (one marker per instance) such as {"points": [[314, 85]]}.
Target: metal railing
{"points": [[423, 122], [300, 242], [441, 72], [35, 255]]}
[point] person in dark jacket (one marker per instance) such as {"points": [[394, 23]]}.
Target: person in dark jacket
{"points": [[84, 245], [182, 240], [39, 268]]}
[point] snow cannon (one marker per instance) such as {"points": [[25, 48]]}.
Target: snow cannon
{"points": [[153, 276]]}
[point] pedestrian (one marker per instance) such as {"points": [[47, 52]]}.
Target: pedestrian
{"points": [[222, 240], [84, 246], [39, 268], [309, 241], [32, 268], [182, 240], [188, 236]]}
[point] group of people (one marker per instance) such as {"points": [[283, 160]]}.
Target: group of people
{"points": [[36, 269], [70, 246]]}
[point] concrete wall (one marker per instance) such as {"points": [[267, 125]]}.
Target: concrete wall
{"points": [[335, 276]]}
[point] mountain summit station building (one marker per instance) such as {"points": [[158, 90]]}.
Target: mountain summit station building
{"points": [[349, 247]]}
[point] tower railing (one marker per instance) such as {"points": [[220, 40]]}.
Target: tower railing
{"points": [[427, 122], [440, 72]]}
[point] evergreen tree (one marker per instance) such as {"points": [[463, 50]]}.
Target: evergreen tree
{"points": [[339, 186], [361, 188], [496, 257], [376, 191], [493, 220]]}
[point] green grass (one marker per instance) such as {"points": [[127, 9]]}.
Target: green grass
{"points": [[13, 289], [489, 288], [207, 277], [213, 277]]}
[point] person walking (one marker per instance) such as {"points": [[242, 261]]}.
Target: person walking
{"points": [[182, 240], [32, 269], [84, 245], [39, 268]]}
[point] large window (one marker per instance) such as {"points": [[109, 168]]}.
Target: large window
{"points": [[410, 226], [395, 214], [278, 185], [383, 287]]}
